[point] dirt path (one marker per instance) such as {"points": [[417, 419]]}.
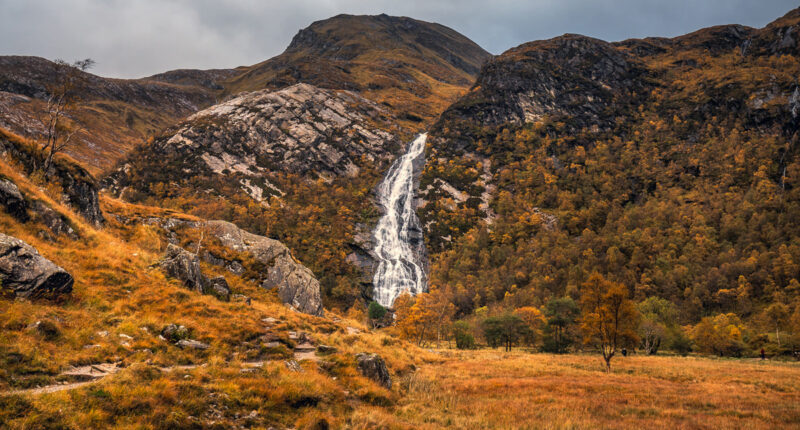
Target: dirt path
{"points": [[88, 375]]}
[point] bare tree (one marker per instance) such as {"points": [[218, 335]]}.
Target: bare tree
{"points": [[61, 101]]}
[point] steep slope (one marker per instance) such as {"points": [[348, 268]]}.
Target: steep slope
{"points": [[297, 164], [129, 346], [114, 114], [413, 67], [668, 164]]}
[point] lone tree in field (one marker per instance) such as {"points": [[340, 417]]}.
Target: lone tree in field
{"points": [[609, 319], [61, 101]]}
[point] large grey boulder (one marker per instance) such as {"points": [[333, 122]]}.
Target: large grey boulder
{"points": [[13, 201], [296, 284], [25, 273], [373, 367], [185, 266]]}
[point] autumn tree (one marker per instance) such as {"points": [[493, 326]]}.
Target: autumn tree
{"points": [[61, 100], [722, 335], [776, 315], [609, 318], [431, 312], [659, 323], [533, 318]]}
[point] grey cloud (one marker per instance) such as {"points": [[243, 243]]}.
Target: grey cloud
{"points": [[137, 38]]}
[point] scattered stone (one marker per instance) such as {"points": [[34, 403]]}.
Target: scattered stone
{"points": [[25, 273], [269, 320], [241, 298], [326, 349], [192, 344], [293, 366], [125, 336], [373, 367], [352, 330]]}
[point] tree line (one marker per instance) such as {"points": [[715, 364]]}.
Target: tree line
{"points": [[601, 317]]}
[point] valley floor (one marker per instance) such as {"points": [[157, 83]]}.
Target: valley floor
{"points": [[490, 389]]}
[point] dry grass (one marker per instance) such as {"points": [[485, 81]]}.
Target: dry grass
{"points": [[494, 390]]}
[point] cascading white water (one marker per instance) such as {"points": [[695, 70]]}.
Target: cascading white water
{"points": [[398, 238]]}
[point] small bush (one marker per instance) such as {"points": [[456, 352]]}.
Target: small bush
{"points": [[376, 311], [48, 329]]}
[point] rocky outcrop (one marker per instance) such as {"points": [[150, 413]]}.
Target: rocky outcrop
{"points": [[25, 273], [185, 266], [373, 367], [80, 190], [295, 283], [301, 130], [13, 201]]}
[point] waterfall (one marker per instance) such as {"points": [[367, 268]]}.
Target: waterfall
{"points": [[398, 236]]}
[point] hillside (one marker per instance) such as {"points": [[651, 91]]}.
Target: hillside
{"points": [[289, 164], [125, 341], [669, 165], [114, 115], [414, 68]]}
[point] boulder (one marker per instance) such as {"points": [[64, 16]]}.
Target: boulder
{"points": [[373, 367], [13, 201], [185, 266], [296, 284], [25, 273], [174, 332], [218, 287], [192, 344]]}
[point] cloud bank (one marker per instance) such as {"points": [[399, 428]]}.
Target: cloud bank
{"points": [[136, 38]]}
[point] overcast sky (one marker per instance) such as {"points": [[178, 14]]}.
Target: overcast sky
{"points": [[136, 38]]}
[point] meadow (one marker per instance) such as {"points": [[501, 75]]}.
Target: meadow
{"points": [[490, 389]]}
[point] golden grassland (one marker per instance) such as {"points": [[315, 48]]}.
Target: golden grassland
{"points": [[120, 290], [489, 389], [121, 301]]}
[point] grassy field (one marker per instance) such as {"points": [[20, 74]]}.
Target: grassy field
{"points": [[495, 390]]}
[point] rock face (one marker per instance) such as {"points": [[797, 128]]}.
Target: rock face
{"points": [[296, 284], [13, 201], [185, 266], [301, 130], [79, 187], [25, 273], [373, 367]]}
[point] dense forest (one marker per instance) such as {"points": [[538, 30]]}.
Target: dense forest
{"points": [[679, 181]]}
